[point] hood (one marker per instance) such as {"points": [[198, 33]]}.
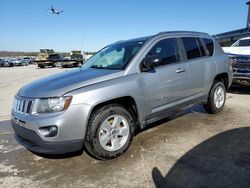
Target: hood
{"points": [[237, 50], [61, 83]]}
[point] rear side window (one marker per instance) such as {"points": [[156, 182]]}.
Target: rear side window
{"points": [[192, 47], [210, 45], [167, 50], [202, 50]]}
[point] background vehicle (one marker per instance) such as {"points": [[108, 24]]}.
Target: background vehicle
{"points": [[76, 60], [24, 62], [122, 88], [28, 60], [52, 60], [42, 58], [15, 61], [21, 62], [4, 63], [44, 54], [239, 53]]}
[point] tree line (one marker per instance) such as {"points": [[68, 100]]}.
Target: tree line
{"points": [[17, 53]]}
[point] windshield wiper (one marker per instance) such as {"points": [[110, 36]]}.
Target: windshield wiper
{"points": [[97, 67]]}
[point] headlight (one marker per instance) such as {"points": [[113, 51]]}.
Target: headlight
{"points": [[232, 60], [55, 104]]}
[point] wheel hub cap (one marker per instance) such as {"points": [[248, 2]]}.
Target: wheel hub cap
{"points": [[219, 97], [114, 132]]}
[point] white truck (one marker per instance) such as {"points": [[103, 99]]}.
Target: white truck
{"points": [[239, 54]]}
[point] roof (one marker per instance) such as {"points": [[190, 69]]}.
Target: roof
{"points": [[182, 32], [135, 39], [163, 33]]}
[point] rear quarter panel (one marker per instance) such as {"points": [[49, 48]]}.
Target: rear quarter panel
{"points": [[222, 61]]}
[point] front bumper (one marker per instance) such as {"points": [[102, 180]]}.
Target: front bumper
{"points": [[34, 143], [241, 75], [71, 126]]}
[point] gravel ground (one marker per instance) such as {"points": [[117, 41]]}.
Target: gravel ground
{"points": [[192, 149]]}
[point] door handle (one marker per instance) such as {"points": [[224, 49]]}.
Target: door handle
{"points": [[179, 70]]}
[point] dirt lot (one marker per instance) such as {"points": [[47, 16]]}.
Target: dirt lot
{"points": [[193, 149]]}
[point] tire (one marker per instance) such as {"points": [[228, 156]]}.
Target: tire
{"points": [[64, 66], [108, 149], [213, 105], [77, 65], [41, 66]]}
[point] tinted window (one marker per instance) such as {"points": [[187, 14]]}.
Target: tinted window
{"points": [[191, 47], [202, 50], [241, 43], [167, 50], [210, 46]]}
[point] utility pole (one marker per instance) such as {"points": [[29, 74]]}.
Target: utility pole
{"points": [[248, 16]]}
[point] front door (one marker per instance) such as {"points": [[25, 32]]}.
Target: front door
{"points": [[166, 83]]}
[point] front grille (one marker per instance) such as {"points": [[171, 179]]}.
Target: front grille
{"points": [[241, 63], [22, 105], [241, 59], [238, 65]]}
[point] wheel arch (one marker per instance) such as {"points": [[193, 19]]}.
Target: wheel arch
{"points": [[224, 78], [127, 102]]}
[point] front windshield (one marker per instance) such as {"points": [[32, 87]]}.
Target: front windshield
{"points": [[115, 56], [242, 43]]}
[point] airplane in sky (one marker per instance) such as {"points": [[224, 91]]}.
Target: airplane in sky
{"points": [[54, 11]]}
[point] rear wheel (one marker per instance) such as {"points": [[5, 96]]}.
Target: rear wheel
{"points": [[216, 99], [110, 132]]}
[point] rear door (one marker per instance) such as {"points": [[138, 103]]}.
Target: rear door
{"points": [[199, 64], [166, 83]]}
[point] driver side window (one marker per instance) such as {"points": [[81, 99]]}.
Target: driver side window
{"points": [[167, 51]]}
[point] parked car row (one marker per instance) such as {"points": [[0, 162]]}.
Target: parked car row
{"points": [[11, 62]]}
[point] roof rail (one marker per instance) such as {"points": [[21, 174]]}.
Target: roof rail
{"points": [[178, 32]]}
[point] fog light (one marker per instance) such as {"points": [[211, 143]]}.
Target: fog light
{"points": [[49, 131]]}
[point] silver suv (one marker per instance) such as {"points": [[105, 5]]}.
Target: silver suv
{"points": [[123, 88]]}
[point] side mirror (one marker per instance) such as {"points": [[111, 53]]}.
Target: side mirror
{"points": [[150, 62]]}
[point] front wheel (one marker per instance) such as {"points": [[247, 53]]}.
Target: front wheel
{"points": [[110, 131], [216, 98]]}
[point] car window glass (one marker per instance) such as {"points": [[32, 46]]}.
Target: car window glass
{"points": [[191, 47], [245, 42], [114, 56], [210, 45], [202, 50], [135, 49], [167, 50]]}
